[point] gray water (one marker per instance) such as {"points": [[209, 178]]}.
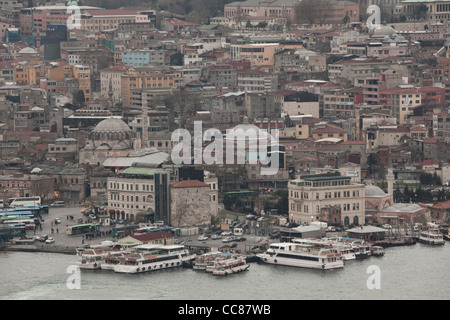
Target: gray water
{"points": [[409, 273]]}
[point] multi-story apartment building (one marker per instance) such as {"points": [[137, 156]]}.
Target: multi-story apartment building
{"points": [[257, 81], [144, 57], [142, 78], [433, 10], [276, 8], [404, 98], [140, 189], [111, 82], [221, 75], [83, 76], [20, 185], [311, 197], [110, 19]]}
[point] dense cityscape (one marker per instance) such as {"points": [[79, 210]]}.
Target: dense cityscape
{"points": [[110, 116]]}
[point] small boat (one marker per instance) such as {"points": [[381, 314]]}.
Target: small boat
{"points": [[377, 251], [91, 259], [361, 249], [201, 262], [234, 264], [431, 236]]}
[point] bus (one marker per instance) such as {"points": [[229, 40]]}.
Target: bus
{"points": [[124, 230], [9, 214], [82, 228], [25, 201], [34, 209], [144, 230], [18, 221]]}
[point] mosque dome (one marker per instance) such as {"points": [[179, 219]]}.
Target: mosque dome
{"points": [[374, 191], [112, 125]]}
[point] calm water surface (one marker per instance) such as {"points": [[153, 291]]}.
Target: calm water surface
{"points": [[412, 272]]}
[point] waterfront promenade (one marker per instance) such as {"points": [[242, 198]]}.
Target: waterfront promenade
{"points": [[67, 244]]}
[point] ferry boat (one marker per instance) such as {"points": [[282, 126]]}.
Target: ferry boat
{"points": [[377, 251], [234, 264], [220, 257], [431, 236], [111, 259], [332, 243], [302, 256], [201, 262], [165, 257]]}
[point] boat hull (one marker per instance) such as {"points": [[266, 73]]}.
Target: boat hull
{"points": [[298, 263], [147, 267], [89, 266], [432, 242], [231, 271]]}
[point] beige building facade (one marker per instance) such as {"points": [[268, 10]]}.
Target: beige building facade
{"points": [[311, 196]]}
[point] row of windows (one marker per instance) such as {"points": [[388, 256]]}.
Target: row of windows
{"points": [[130, 186], [345, 207]]}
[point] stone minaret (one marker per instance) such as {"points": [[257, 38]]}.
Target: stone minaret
{"points": [[144, 136], [390, 178]]}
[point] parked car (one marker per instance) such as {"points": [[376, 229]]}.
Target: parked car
{"points": [[226, 233], [43, 238], [387, 226], [50, 240], [228, 239], [331, 229], [216, 237], [233, 245], [57, 204], [202, 238]]}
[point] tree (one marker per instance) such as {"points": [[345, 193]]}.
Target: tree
{"points": [[312, 11], [79, 99], [426, 178], [420, 11]]}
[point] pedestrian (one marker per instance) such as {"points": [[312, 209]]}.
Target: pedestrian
{"points": [[57, 231]]}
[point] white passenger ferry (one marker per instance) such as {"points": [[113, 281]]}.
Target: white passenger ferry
{"points": [[231, 265], [302, 256], [165, 257], [431, 237], [332, 243]]}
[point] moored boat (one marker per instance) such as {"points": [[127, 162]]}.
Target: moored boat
{"points": [[91, 259], [234, 264], [202, 261], [302, 256], [431, 236], [377, 251], [361, 249], [165, 257]]}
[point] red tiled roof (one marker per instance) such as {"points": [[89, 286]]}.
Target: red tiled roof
{"points": [[113, 12], [442, 205], [150, 236], [189, 184]]}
